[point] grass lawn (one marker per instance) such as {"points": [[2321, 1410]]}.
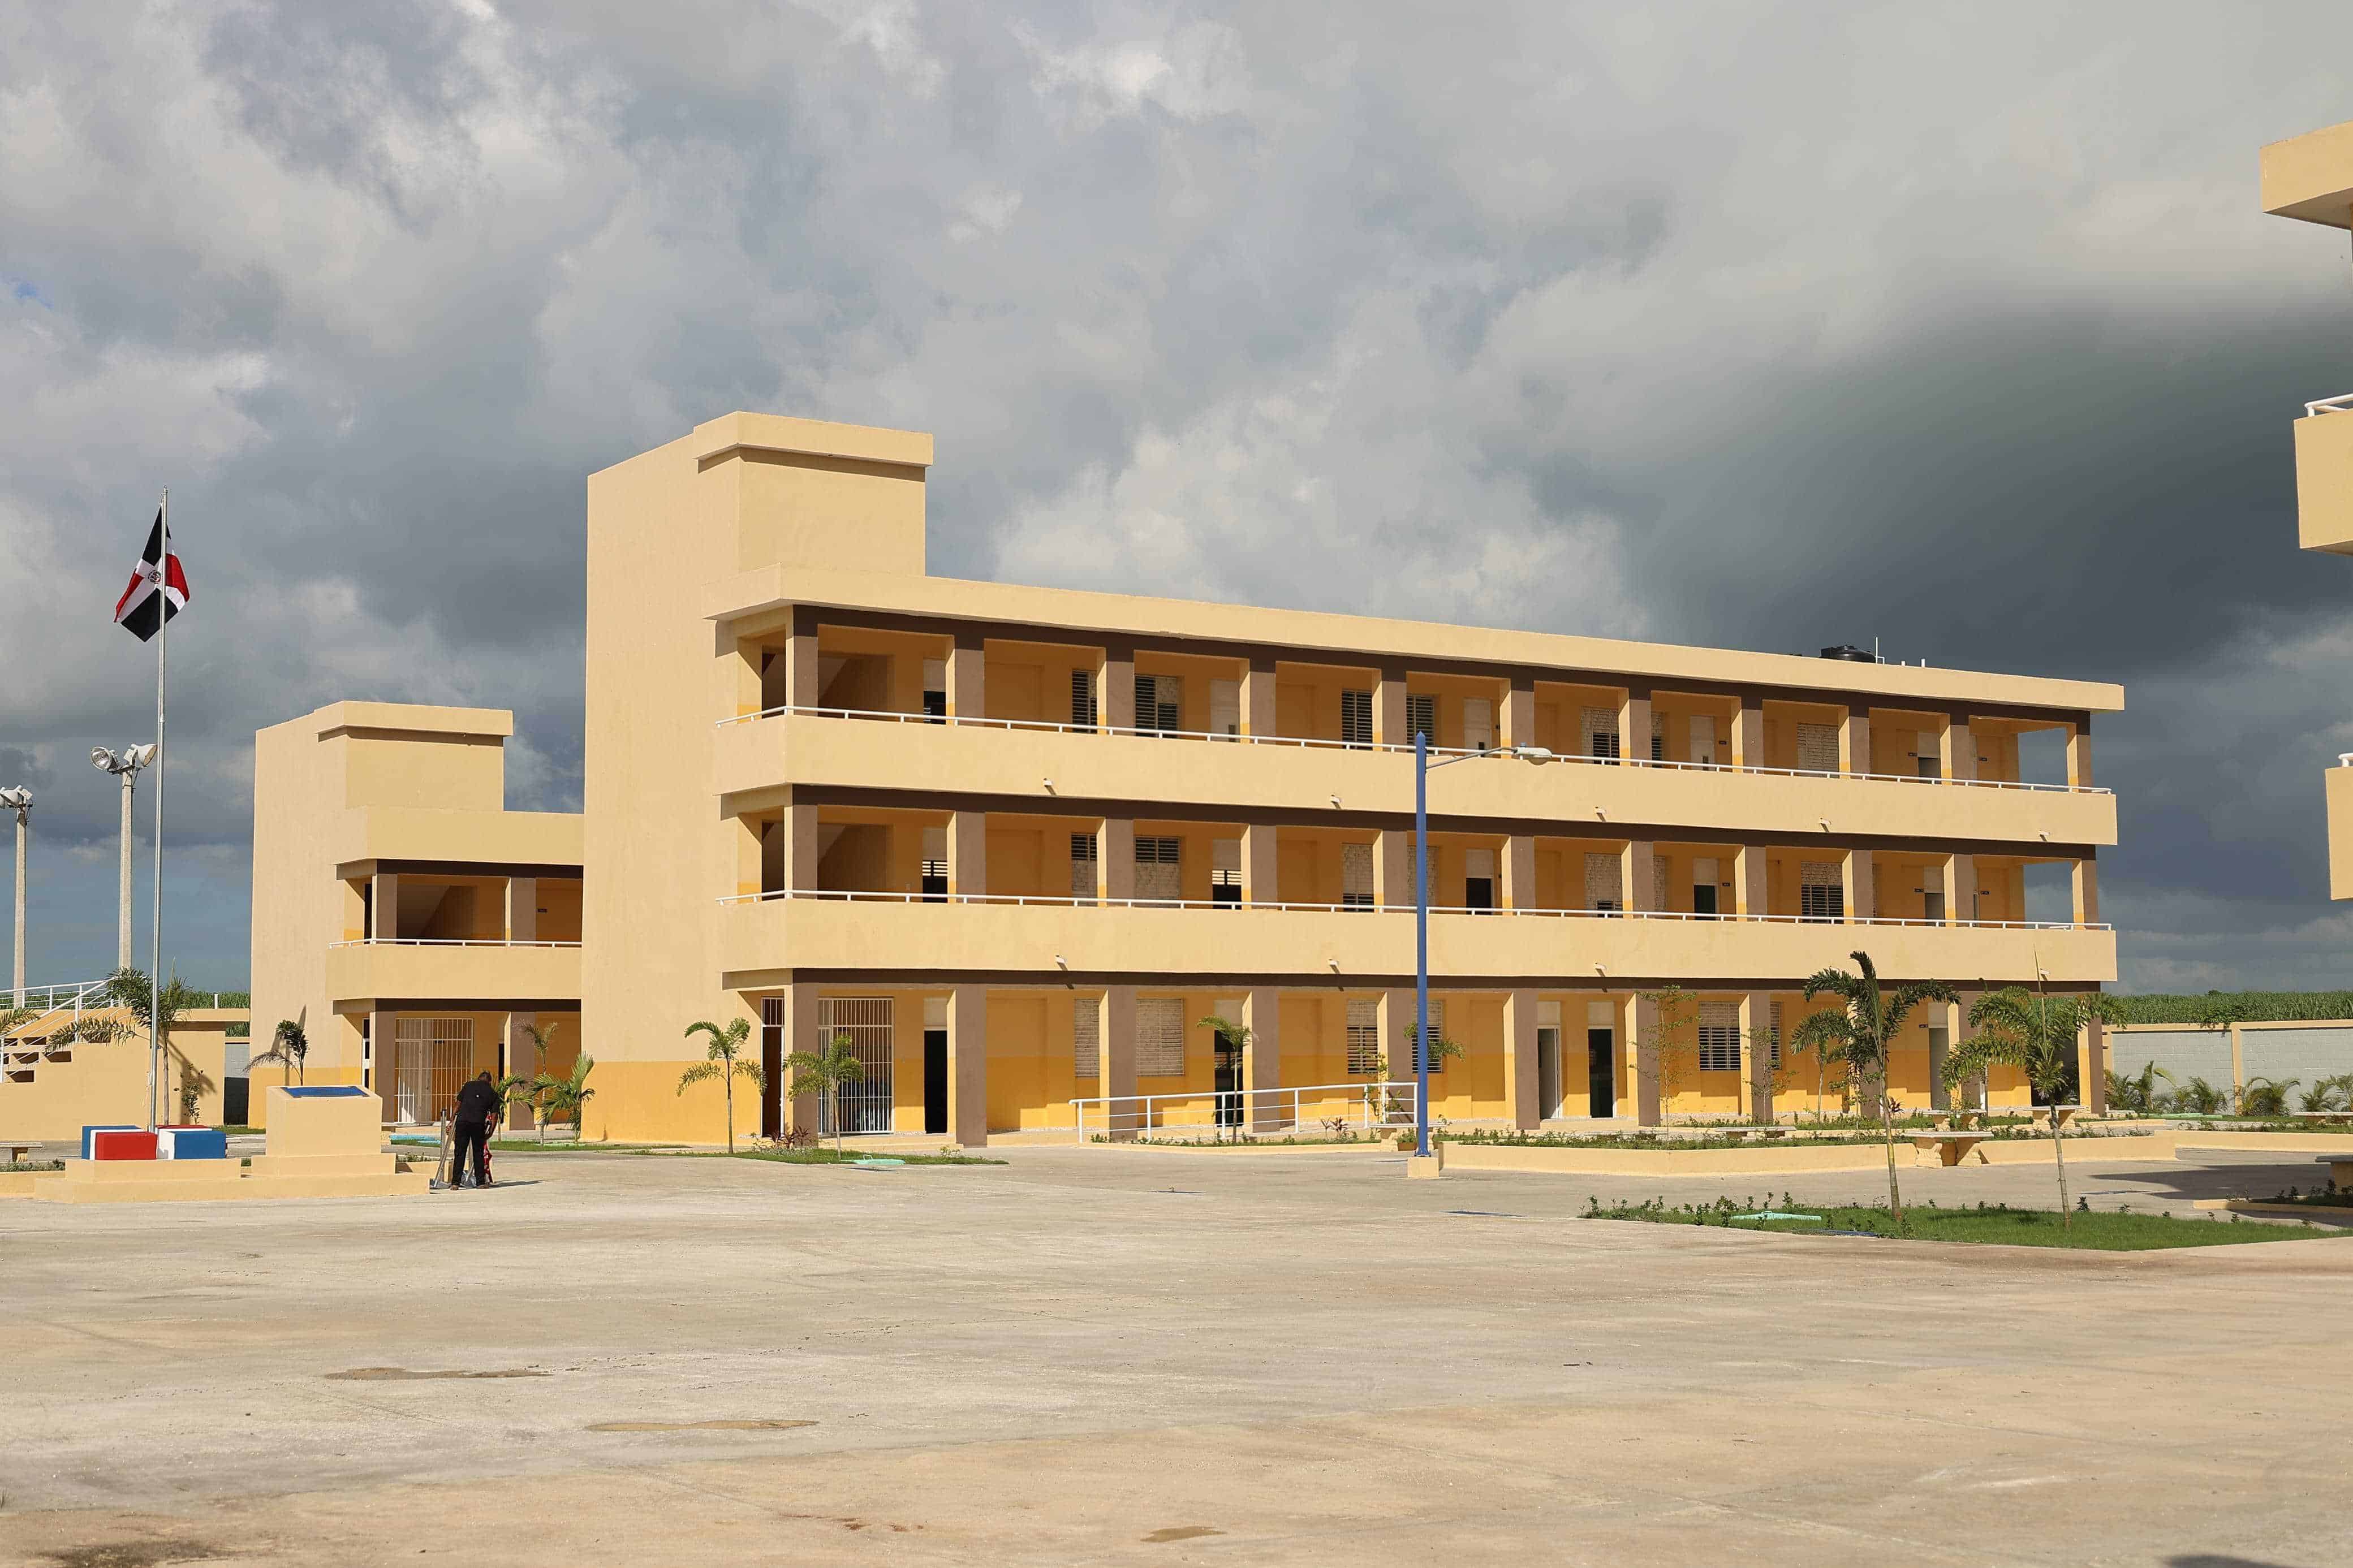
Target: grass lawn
{"points": [[2097, 1231], [533, 1146], [846, 1157]]}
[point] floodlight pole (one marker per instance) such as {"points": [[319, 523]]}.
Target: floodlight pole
{"points": [[24, 838]]}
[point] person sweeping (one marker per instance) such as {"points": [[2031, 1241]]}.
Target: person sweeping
{"points": [[478, 1104]]}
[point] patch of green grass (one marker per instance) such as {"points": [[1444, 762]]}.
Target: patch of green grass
{"points": [[35, 1167], [533, 1146], [1998, 1225], [234, 1131], [845, 1157]]}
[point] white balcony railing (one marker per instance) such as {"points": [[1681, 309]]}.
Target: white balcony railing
{"points": [[1367, 1105], [443, 942], [1042, 726], [1047, 901], [2339, 404]]}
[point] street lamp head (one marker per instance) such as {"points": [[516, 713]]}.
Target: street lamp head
{"points": [[129, 760], [17, 799], [103, 760], [138, 756], [1536, 754]]}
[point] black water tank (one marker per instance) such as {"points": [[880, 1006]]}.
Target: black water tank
{"points": [[1849, 652]]}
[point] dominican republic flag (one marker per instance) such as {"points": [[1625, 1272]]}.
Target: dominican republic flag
{"points": [[158, 587]]}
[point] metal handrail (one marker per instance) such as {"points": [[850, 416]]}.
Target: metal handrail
{"points": [[1045, 726], [2341, 404], [1373, 1102], [1050, 900], [74, 994], [442, 941]]}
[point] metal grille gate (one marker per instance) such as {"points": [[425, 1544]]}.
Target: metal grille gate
{"points": [[431, 1060], [866, 1023]]}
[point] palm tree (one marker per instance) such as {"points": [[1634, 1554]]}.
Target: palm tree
{"points": [[526, 1085], [826, 1074], [566, 1098], [2137, 1092], [1858, 1033], [726, 1063], [151, 1011], [289, 1047], [2035, 1033]]}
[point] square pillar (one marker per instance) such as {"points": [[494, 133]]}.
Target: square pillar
{"points": [[1854, 742], [1960, 890], [1116, 1068], [1393, 869], [1116, 689], [2079, 756], [1855, 872], [1748, 738], [968, 1066], [1388, 710], [1634, 726], [384, 906], [798, 865], [968, 677], [1943, 1016], [518, 1058], [1268, 1110], [1260, 857], [2092, 1068], [1519, 715], [2084, 883], [800, 1034], [1257, 697], [383, 1059], [1956, 750], [1750, 897], [1396, 1033], [1642, 1037], [1519, 872], [1635, 875], [1520, 1076], [1757, 1074], [1115, 862], [968, 854], [522, 908]]}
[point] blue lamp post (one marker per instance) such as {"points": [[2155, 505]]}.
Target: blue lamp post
{"points": [[1422, 766]]}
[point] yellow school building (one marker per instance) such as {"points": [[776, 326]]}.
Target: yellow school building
{"points": [[1013, 846]]}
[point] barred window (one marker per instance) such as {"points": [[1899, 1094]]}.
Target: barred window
{"points": [[1357, 876], [1775, 1036], [1719, 1037], [1363, 1035], [1600, 727], [1821, 896], [1658, 736], [1086, 1038], [1355, 718], [1159, 702], [1160, 1036], [1083, 698], [1422, 716], [1082, 867]]}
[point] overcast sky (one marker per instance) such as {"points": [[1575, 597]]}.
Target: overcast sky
{"points": [[1761, 325]]}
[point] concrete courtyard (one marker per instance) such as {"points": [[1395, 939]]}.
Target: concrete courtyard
{"points": [[1091, 1355]]}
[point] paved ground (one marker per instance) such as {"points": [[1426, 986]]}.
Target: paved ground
{"points": [[1104, 1356]]}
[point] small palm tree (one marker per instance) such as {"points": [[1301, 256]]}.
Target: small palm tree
{"points": [[1858, 1035], [726, 1063], [1236, 1037], [567, 1098], [2035, 1033], [152, 1010], [526, 1085], [826, 1074], [2264, 1096], [289, 1047], [2137, 1092]]}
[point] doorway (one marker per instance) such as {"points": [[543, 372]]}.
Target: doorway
{"points": [[1548, 1070], [1602, 1070], [935, 1080], [1229, 1084]]}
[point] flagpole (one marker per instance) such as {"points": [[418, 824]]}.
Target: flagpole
{"points": [[156, 947]]}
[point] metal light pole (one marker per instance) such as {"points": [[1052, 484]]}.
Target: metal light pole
{"points": [[20, 801], [1422, 768], [125, 764]]}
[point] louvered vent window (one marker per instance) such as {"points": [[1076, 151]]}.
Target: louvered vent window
{"points": [[1355, 718], [1719, 1037], [1157, 871], [1819, 895], [1083, 867], [1401, 1056], [936, 864], [1422, 716], [1818, 748], [1600, 727], [1083, 698], [1226, 871], [1160, 1037], [1604, 882], [1658, 736], [1159, 703], [1086, 1038], [1775, 1036], [1363, 1035], [1357, 876]]}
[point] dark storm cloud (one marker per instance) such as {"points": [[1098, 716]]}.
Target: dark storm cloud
{"points": [[1769, 327]]}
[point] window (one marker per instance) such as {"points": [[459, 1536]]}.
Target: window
{"points": [[1355, 718], [936, 864], [1820, 896], [1363, 1035], [1083, 698], [1478, 724], [1422, 716], [1479, 878], [1402, 1054], [1159, 703], [1224, 708], [1226, 871], [1158, 869], [1773, 1034], [867, 1023], [1658, 736], [432, 1059], [1703, 885], [935, 689], [1604, 879], [1600, 727], [1925, 761], [1082, 867], [1357, 876], [1086, 1038], [1719, 1037], [1818, 748], [1160, 1036]]}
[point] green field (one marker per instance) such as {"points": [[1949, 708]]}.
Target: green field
{"points": [[2097, 1231]]}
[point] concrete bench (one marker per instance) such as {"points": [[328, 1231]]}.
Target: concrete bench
{"points": [[2341, 1169], [17, 1153], [1951, 1148]]}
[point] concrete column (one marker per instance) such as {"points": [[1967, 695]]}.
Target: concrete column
{"points": [[1388, 710], [968, 1066], [1116, 861], [1960, 888], [1854, 742], [1397, 1035], [1971, 1092], [1518, 865], [801, 1017], [1855, 873], [522, 908], [2092, 1073], [1749, 886], [383, 1059], [968, 677], [1943, 1016], [1393, 867], [801, 687], [2079, 756], [1268, 1111], [1634, 726], [968, 853], [799, 870], [1115, 1070], [1757, 1074], [1520, 1078], [2085, 883], [1258, 699], [1635, 877], [519, 1060], [1518, 725], [1748, 738], [1116, 693], [1261, 858], [384, 906], [1642, 1036], [1957, 751]]}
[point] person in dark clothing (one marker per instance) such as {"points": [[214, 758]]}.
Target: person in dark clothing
{"points": [[478, 1103]]}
